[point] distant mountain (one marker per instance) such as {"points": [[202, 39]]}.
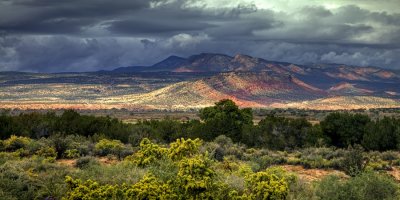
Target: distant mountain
{"points": [[200, 80], [259, 89], [207, 62]]}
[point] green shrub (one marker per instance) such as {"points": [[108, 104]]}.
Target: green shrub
{"points": [[85, 162], [60, 143], [14, 180], [365, 186], [164, 169], [353, 162], [105, 147], [266, 161], [2, 147], [16, 142], [32, 179], [390, 156], [47, 152], [378, 165], [8, 156], [72, 153]]}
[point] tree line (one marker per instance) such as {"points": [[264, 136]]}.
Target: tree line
{"points": [[340, 129]]}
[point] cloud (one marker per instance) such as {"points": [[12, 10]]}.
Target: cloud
{"points": [[61, 16], [81, 35]]}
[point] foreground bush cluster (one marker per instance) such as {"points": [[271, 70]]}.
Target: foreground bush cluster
{"points": [[186, 169]]}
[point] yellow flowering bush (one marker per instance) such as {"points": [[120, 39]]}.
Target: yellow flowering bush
{"points": [[266, 185], [147, 188], [91, 190], [150, 188], [184, 148], [16, 142], [196, 178], [148, 153]]}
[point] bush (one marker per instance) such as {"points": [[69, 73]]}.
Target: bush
{"points": [[72, 153], [16, 142], [195, 178], [150, 188], [60, 143], [147, 188], [85, 162], [105, 147], [365, 186], [266, 185], [32, 179], [183, 148], [353, 162], [91, 190], [47, 152], [8, 156], [148, 153]]}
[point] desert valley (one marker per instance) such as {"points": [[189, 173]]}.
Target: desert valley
{"points": [[200, 80]]}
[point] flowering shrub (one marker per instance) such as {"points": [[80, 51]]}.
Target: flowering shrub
{"points": [[184, 148], [148, 153], [196, 178], [105, 147], [147, 188], [266, 185], [91, 190], [150, 188], [16, 142]]}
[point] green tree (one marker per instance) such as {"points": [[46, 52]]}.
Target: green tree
{"points": [[280, 133], [225, 118], [382, 135], [343, 129]]}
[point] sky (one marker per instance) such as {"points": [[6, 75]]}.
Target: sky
{"points": [[89, 35]]}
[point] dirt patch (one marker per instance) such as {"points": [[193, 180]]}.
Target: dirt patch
{"points": [[310, 175], [107, 161], [102, 160], [67, 162], [395, 173]]}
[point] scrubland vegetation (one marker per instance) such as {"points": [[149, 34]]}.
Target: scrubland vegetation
{"points": [[222, 156]]}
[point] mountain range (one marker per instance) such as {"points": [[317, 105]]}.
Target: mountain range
{"points": [[200, 80]]}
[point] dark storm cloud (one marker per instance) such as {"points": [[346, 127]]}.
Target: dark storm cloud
{"points": [[61, 16], [80, 35], [174, 18], [152, 27]]}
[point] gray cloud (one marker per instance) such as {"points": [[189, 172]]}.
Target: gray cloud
{"points": [[61, 16], [81, 35]]}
